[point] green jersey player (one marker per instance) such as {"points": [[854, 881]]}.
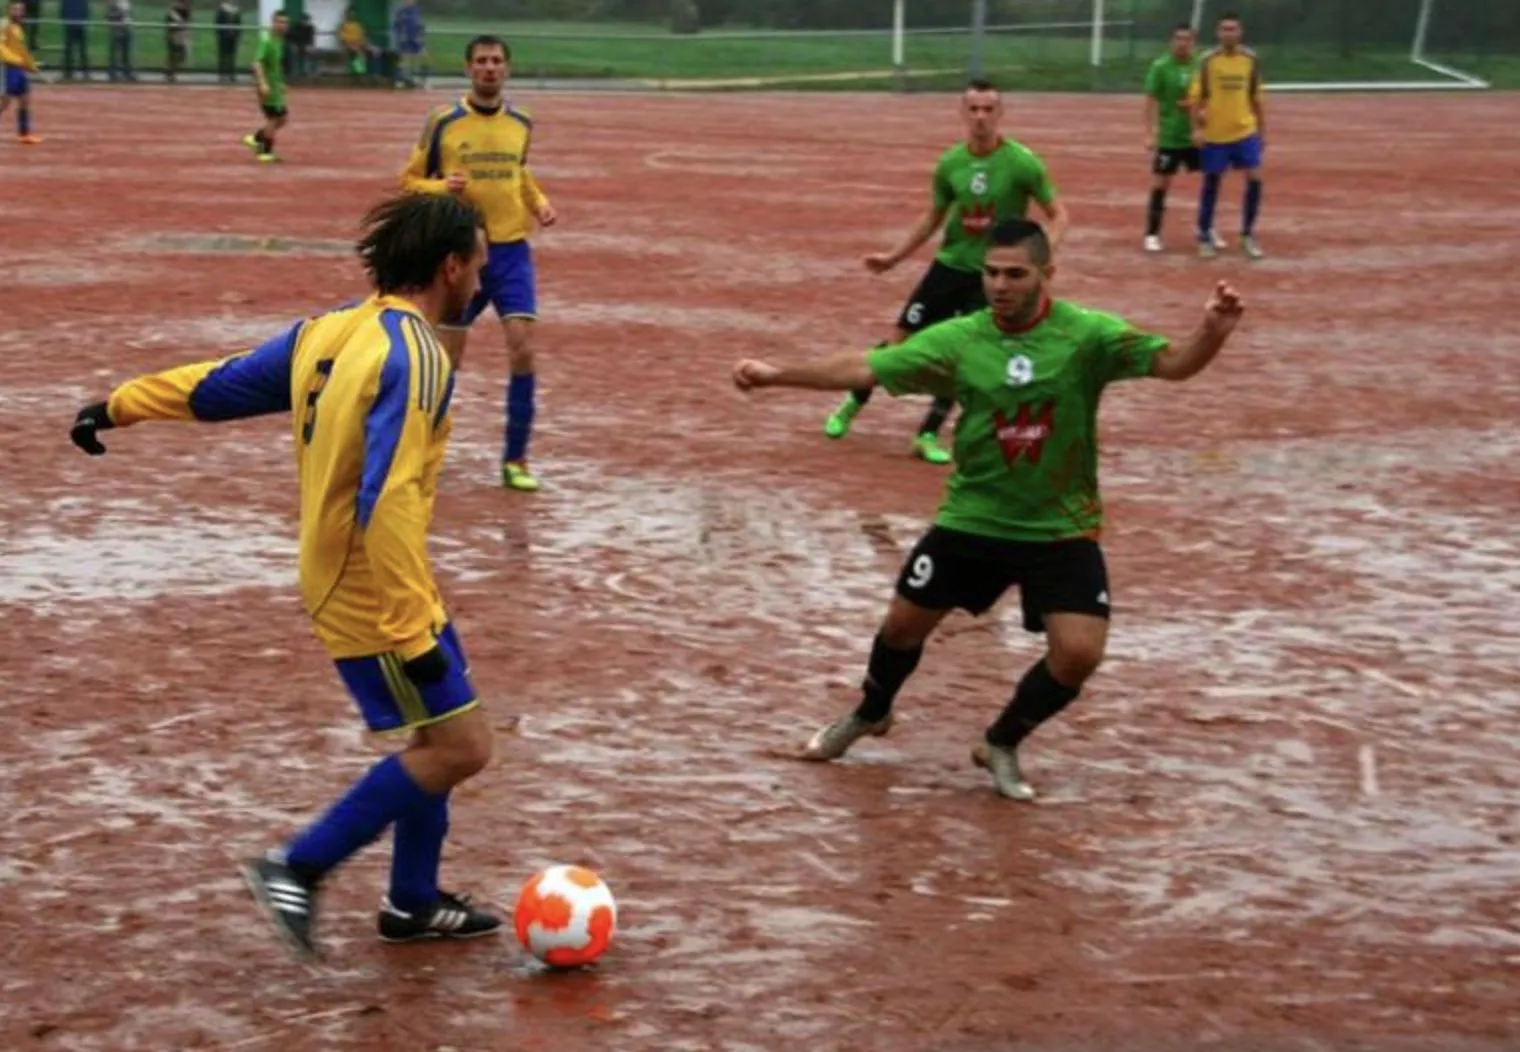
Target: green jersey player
{"points": [[984, 179], [1022, 506], [1169, 127], [269, 81]]}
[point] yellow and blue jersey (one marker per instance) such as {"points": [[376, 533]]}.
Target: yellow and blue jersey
{"points": [[13, 49], [490, 147], [1228, 87], [368, 387]]}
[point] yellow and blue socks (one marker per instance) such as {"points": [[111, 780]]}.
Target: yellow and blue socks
{"points": [[385, 795], [520, 408]]}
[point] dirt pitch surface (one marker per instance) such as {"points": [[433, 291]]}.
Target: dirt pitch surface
{"points": [[1283, 817]]}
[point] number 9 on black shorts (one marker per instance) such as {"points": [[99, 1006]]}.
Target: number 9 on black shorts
{"points": [[949, 569]]}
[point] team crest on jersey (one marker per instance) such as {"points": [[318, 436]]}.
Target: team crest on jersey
{"points": [[977, 219], [1024, 436]]}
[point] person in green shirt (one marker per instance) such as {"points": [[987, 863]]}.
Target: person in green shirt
{"points": [[269, 80], [977, 182], [1169, 126], [1022, 506]]}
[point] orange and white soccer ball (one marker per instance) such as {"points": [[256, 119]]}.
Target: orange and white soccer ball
{"points": [[565, 916]]}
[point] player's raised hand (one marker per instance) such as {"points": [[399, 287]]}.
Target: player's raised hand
{"points": [[456, 182], [880, 262], [1224, 308], [750, 374], [91, 418]]}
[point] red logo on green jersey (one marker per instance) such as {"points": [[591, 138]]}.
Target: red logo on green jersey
{"points": [[977, 219], [1026, 434]]}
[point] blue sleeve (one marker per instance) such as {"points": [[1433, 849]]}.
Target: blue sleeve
{"points": [[251, 384], [386, 421]]}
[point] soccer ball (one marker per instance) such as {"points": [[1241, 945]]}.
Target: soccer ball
{"points": [[565, 916]]}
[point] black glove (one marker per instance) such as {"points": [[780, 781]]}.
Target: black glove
{"points": [[91, 418], [427, 669]]}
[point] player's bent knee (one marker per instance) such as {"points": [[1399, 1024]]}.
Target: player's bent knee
{"points": [[1077, 645], [463, 745], [907, 625]]}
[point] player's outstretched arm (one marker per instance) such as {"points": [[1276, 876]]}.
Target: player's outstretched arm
{"points": [[254, 383], [846, 371], [1220, 316]]}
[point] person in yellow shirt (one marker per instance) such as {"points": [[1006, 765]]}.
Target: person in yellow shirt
{"points": [[367, 388], [16, 62], [1230, 121], [478, 149], [355, 43]]}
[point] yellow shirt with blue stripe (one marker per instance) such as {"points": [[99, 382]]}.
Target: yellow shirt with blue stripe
{"points": [[491, 148], [368, 387], [1228, 86], [13, 49]]}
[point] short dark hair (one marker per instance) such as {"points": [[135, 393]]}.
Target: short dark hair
{"points": [[486, 40], [408, 237], [1229, 16], [280, 13], [1011, 233], [981, 84], [1182, 27]]}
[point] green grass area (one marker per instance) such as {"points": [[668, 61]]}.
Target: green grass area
{"points": [[1024, 61]]}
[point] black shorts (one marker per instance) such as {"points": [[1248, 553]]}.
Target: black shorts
{"points": [[275, 111], [943, 293], [948, 569], [1170, 162]]}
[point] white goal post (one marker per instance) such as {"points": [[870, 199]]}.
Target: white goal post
{"points": [[1452, 79], [1455, 79]]}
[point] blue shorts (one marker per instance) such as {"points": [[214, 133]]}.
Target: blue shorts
{"points": [[389, 701], [506, 283], [17, 83], [1219, 158]]}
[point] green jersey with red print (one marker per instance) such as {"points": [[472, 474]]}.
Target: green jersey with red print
{"points": [[978, 190], [1026, 446]]}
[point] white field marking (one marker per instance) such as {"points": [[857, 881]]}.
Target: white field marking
{"points": [[1259, 692], [283, 1028], [823, 867], [1408, 689], [184, 717], [1367, 761]]}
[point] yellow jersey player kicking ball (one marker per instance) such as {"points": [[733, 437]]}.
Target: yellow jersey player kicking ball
{"points": [[367, 388], [1022, 507], [16, 65], [478, 149]]}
